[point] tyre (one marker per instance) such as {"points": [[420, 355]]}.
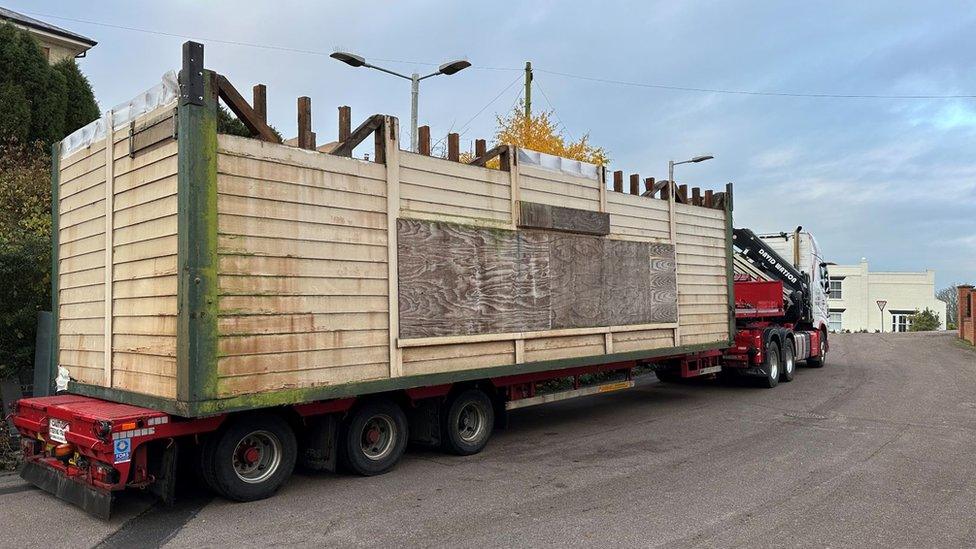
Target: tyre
{"points": [[771, 367], [467, 423], [789, 362], [250, 457], [373, 438], [819, 361]]}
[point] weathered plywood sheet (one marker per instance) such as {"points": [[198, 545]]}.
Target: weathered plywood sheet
{"points": [[458, 279], [464, 280]]}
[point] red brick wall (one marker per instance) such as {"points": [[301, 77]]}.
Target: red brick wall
{"points": [[967, 313]]}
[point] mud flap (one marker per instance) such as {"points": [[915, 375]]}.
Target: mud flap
{"points": [[94, 501]]}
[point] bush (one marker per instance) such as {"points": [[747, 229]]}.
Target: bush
{"points": [[924, 321]]}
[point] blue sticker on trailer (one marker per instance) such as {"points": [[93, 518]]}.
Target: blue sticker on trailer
{"points": [[123, 450]]}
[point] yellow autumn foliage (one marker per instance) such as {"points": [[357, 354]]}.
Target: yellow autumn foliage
{"points": [[539, 133]]}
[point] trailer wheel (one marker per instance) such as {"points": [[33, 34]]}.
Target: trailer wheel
{"points": [[821, 359], [373, 438], [772, 366], [250, 458], [789, 362], [468, 421]]}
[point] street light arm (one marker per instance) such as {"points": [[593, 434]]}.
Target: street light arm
{"points": [[387, 71], [429, 75]]}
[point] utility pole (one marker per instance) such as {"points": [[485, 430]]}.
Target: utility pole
{"points": [[528, 90]]}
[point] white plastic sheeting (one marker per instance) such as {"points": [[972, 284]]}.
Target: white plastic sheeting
{"points": [[160, 95], [558, 164]]}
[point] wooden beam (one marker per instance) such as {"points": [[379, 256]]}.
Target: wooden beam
{"points": [[501, 151], [534, 215], [682, 194], [618, 181], [239, 106], [635, 184], [708, 201], [649, 189], [306, 140], [454, 147], [696, 199], [345, 123], [357, 136], [423, 146], [665, 190], [480, 146], [259, 94]]}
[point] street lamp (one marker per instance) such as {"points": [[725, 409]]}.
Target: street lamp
{"points": [[672, 164], [446, 69]]}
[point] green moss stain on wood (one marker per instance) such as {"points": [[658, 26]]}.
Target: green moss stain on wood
{"points": [[197, 247]]}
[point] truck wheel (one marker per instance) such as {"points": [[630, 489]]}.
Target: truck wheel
{"points": [[819, 361], [467, 424], [789, 362], [250, 458], [772, 366], [373, 438]]}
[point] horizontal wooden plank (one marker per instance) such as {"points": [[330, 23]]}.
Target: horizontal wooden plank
{"points": [[435, 183], [145, 325], [82, 294], [154, 209], [145, 268], [83, 198], [301, 360], [82, 342], [459, 351], [310, 286], [83, 153], [469, 200], [146, 193], [420, 367], [270, 173], [145, 344], [288, 266], [293, 156], [288, 247], [77, 170], [566, 201], [78, 279], [310, 341], [308, 213], [545, 216], [90, 326], [145, 287], [547, 343], [146, 249], [145, 306], [146, 230], [307, 232], [133, 182], [450, 169], [299, 194], [88, 359], [290, 304], [558, 184], [124, 165], [82, 246], [301, 323], [83, 262], [82, 214], [87, 229], [229, 386], [139, 382], [565, 352], [466, 339]]}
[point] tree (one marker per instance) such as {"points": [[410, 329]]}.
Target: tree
{"points": [[539, 133], [39, 102], [950, 295], [229, 124], [924, 321], [25, 250]]}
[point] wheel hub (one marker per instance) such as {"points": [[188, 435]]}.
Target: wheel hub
{"points": [[252, 455], [257, 457]]}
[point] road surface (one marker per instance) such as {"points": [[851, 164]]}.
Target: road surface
{"points": [[876, 449]]}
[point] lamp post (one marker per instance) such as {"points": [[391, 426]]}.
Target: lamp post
{"points": [[447, 69], [672, 164]]}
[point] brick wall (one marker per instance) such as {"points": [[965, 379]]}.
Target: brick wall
{"points": [[967, 313]]}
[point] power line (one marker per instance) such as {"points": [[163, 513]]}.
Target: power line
{"points": [[555, 73], [745, 92], [554, 111]]}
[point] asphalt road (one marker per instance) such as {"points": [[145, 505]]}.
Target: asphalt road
{"points": [[876, 449]]}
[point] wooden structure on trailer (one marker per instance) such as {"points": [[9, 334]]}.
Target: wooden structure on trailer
{"points": [[197, 273]]}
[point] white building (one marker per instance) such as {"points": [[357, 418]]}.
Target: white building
{"points": [[55, 42], [855, 292]]}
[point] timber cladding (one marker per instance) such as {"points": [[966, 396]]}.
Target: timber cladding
{"points": [[464, 280]]}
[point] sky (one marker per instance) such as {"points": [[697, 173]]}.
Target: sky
{"points": [[890, 180]]}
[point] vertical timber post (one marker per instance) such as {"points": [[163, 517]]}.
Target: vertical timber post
{"points": [[453, 147], [345, 123], [601, 174], [618, 181], [109, 243], [260, 101], [391, 153], [196, 355], [423, 147], [306, 139], [515, 191], [55, 265]]}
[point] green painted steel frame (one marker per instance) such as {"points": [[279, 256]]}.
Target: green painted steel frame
{"points": [[311, 394]]}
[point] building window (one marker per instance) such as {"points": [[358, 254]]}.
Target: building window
{"points": [[836, 321], [901, 321], [836, 288]]}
